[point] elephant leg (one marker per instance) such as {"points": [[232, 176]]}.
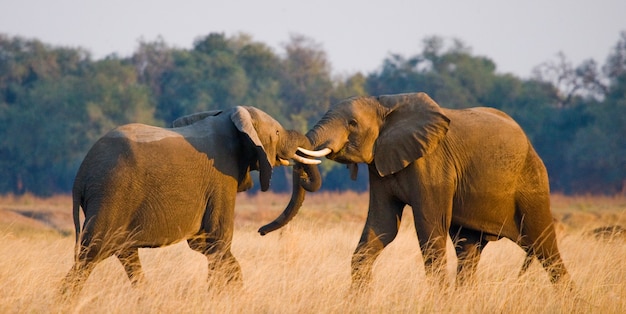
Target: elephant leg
{"points": [[223, 266], [539, 236], [432, 223], [75, 279], [537, 224], [381, 228], [77, 276], [214, 241], [468, 245], [545, 248], [130, 260]]}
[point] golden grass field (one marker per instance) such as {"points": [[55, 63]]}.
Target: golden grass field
{"points": [[305, 267]]}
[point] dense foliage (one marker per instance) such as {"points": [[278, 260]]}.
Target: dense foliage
{"points": [[55, 102]]}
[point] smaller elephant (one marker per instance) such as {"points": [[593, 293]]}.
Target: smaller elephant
{"points": [[470, 174], [143, 186]]}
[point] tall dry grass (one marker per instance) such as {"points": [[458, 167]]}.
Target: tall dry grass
{"points": [[305, 268]]}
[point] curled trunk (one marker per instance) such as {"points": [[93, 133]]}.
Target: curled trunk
{"points": [[305, 178], [300, 177], [306, 175]]}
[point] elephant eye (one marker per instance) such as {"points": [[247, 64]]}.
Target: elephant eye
{"points": [[353, 124], [277, 132]]}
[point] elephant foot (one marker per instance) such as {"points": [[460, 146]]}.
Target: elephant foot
{"points": [[224, 286], [359, 292], [225, 279], [74, 281], [570, 297], [67, 291], [360, 288], [565, 285]]}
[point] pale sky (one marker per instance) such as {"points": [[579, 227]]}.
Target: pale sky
{"points": [[356, 34]]}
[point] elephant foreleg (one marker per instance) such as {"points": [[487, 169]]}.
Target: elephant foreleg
{"points": [[130, 260], [380, 229], [368, 249]]}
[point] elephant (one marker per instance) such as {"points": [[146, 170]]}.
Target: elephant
{"points": [[470, 173], [143, 186]]}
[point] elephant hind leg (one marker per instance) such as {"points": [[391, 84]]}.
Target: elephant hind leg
{"points": [[89, 255], [130, 260], [224, 269], [76, 278], [468, 245], [539, 239], [532, 201], [216, 236], [554, 265]]}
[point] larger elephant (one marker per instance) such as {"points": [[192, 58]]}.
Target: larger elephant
{"points": [[471, 174], [145, 186]]}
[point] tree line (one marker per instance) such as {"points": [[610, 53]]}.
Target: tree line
{"points": [[55, 102]]}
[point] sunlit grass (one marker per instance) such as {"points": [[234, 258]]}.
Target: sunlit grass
{"points": [[305, 267]]}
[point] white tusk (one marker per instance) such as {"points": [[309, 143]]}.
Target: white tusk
{"points": [[316, 153], [306, 161], [283, 162]]}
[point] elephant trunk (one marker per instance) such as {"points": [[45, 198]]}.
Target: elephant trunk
{"points": [[307, 174], [308, 177], [305, 177], [297, 197]]}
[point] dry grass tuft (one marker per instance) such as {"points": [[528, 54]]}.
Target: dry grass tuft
{"points": [[305, 267]]}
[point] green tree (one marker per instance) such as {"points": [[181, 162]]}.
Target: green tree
{"points": [[354, 85], [263, 68], [205, 78], [597, 156], [453, 77], [33, 76], [399, 75], [112, 95], [55, 103], [39, 134], [306, 85], [151, 60]]}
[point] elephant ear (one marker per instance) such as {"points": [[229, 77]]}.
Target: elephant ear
{"points": [[412, 129], [244, 123]]}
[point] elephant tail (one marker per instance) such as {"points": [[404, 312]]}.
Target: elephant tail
{"points": [[76, 200]]}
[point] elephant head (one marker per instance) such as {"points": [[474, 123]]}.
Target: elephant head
{"points": [[388, 132], [273, 146]]}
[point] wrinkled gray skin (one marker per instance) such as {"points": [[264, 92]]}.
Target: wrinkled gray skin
{"points": [[144, 186], [470, 173]]}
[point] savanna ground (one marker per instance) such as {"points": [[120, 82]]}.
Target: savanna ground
{"points": [[305, 267]]}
